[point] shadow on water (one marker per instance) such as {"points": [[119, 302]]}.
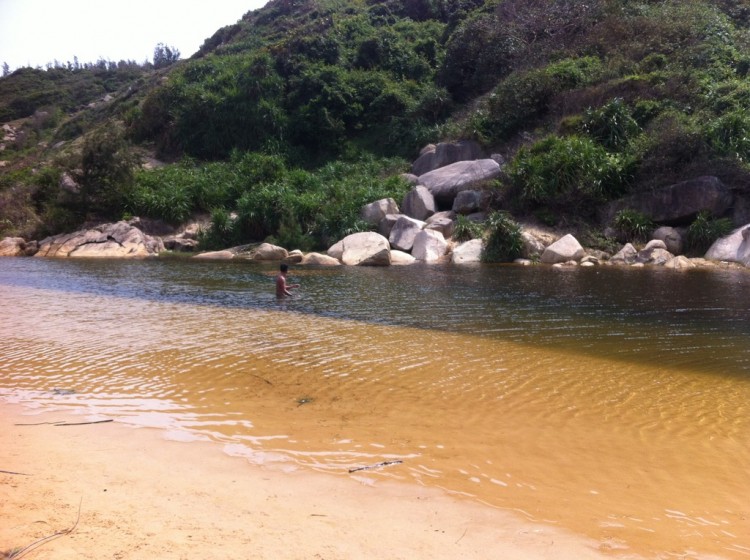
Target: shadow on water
{"points": [[697, 320]]}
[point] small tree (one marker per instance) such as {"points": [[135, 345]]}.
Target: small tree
{"points": [[6, 69], [165, 55]]}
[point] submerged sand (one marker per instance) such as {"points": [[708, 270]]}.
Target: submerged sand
{"points": [[142, 496]]}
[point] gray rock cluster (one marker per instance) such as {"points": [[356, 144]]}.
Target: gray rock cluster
{"points": [[120, 240], [17, 247]]}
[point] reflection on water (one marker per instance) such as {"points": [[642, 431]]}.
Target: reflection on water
{"points": [[610, 402]]}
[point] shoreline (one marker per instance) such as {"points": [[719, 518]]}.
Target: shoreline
{"points": [[142, 495]]}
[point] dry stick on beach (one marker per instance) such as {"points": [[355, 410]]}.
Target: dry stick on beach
{"points": [[383, 464], [11, 472], [58, 534], [67, 423], [83, 423], [261, 378], [41, 423]]}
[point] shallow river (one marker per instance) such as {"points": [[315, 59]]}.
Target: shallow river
{"points": [[606, 401]]}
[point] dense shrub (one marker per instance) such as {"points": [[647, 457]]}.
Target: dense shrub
{"points": [[704, 230], [730, 134], [571, 173], [478, 53], [523, 98], [612, 125], [633, 225], [467, 229], [503, 239], [308, 209], [672, 148]]}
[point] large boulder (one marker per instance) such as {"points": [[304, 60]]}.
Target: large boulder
{"points": [[676, 204], [419, 203], [336, 251], [294, 257], [679, 263], [671, 238], [655, 252], [445, 153], [446, 226], [446, 182], [399, 258], [119, 240], [625, 256], [403, 233], [450, 214], [316, 259], [468, 252], [468, 202], [735, 247], [366, 249], [179, 244], [386, 224], [375, 211], [565, 249], [268, 252], [429, 246], [12, 247]]}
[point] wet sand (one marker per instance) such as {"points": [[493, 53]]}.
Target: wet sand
{"points": [[142, 496]]}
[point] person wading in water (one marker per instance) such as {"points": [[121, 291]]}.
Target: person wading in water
{"points": [[282, 290]]}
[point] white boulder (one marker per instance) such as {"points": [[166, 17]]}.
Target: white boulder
{"points": [[735, 247], [366, 249], [468, 252], [565, 249], [404, 232], [374, 212], [429, 246]]}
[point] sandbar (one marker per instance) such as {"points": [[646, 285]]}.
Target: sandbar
{"points": [[143, 496]]}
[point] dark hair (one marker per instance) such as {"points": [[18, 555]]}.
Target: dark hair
{"points": [[284, 267]]}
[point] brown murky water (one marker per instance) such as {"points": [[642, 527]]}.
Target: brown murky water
{"points": [[563, 398]]}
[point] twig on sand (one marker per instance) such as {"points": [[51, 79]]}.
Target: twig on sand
{"points": [[41, 423], [462, 536], [11, 472], [63, 423], [383, 464], [58, 534], [84, 423], [261, 378]]}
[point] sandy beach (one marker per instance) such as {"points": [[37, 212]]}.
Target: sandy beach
{"points": [[142, 496]]}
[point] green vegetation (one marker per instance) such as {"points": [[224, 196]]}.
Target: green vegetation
{"points": [[633, 225], [502, 239], [252, 197], [286, 121], [572, 174], [467, 229], [704, 230]]}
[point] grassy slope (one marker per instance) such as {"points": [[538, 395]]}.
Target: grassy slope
{"points": [[586, 101]]}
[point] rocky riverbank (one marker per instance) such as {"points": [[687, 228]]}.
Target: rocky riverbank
{"points": [[449, 182]]}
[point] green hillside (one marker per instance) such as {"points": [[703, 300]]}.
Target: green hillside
{"points": [[282, 117]]}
